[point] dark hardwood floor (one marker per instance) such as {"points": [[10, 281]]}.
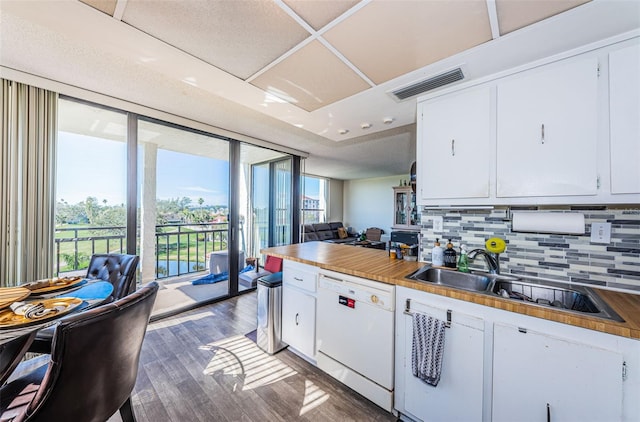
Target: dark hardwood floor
{"points": [[200, 366]]}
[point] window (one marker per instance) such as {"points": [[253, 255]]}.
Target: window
{"points": [[314, 200]]}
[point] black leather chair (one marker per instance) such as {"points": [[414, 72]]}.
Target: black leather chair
{"points": [[93, 366], [12, 352], [118, 269]]}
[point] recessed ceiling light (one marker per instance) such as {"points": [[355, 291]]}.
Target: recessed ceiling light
{"points": [[388, 120], [365, 125], [343, 131]]}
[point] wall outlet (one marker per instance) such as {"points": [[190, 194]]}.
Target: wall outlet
{"points": [[600, 232], [438, 224]]}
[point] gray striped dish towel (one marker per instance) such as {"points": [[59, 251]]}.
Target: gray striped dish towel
{"points": [[427, 348]]}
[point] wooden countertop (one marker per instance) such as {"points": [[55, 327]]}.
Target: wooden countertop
{"points": [[377, 265]]}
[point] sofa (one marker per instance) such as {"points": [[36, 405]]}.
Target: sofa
{"points": [[327, 232]]}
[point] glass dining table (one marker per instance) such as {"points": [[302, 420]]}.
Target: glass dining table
{"points": [[21, 320]]}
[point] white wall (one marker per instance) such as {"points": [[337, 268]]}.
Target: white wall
{"points": [[369, 202], [336, 202]]}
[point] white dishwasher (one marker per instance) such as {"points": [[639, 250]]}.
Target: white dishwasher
{"points": [[355, 334]]}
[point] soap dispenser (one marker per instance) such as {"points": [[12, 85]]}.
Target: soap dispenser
{"points": [[437, 255], [450, 256], [463, 261]]}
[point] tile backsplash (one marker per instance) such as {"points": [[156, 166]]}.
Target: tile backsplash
{"points": [[569, 258]]}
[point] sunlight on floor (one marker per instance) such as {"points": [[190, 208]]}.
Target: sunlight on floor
{"points": [[240, 357], [313, 397]]}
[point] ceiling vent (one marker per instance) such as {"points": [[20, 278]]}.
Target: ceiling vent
{"points": [[429, 84]]}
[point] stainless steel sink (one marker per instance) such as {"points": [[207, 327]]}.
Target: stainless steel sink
{"points": [[576, 299], [465, 281]]}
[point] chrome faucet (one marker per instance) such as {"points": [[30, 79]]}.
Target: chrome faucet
{"points": [[493, 262]]}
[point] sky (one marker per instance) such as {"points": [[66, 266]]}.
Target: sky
{"points": [[312, 187], [89, 166]]}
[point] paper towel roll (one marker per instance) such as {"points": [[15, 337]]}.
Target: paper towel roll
{"points": [[548, 222]]}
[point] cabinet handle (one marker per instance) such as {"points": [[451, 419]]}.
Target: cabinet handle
{"points": [[297, 279], [297, 319], [542, 132], [548, 413], [453, 147]]}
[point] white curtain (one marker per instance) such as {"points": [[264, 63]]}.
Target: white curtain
{"points": [[27, 175]]}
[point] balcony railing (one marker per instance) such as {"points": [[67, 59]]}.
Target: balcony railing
{"points": [[183, 257], [180, 248]]}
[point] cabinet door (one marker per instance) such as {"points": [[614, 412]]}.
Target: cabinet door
{"points": [[578, 382], [624, 111], [547, 131], [405, 210], [299, 321], [458, 395], [454, 145], [402, 208]]}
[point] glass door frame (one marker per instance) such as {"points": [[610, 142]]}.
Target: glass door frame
{"points": [[234, 216]]}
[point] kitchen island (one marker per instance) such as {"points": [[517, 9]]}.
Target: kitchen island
{"points": [[501, 356]]}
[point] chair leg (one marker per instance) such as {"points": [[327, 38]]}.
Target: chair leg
{"points": [[126, 412]]}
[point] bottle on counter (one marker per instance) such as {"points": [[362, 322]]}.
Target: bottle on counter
{"points": [[437, 255], [450, 256], [463, 261]]}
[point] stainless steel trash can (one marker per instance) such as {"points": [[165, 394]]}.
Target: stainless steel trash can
{"points": [[269, 332]]}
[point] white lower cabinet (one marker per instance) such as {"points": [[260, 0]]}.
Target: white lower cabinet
{"points": [[299, 283], [503, 366], [459, 394], [299, 320], [538, 377]]}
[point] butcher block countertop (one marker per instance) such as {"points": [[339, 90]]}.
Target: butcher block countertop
{"points": [[376, 265]]}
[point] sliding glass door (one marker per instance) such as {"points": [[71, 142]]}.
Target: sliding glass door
{"points": [[268, 207], [191, 204], [272, 202], [282, 195], [91, 185]]}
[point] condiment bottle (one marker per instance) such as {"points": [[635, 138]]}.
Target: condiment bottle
{"points": [[450, 256], [463, 261], [437, 255]]}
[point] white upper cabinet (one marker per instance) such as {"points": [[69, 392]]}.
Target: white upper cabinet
{"points": [[624, 112], [563, 130], [454, 146], [547, 131]]}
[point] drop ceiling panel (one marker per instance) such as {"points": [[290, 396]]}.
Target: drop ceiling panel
{"points": [[514, 15], [239, 37], [319, 13], [106, 6], [311, 78], [386, 39]]}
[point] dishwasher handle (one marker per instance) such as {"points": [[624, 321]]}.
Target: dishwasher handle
{"points": [[337, 280]]}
